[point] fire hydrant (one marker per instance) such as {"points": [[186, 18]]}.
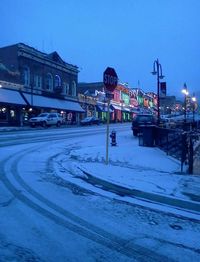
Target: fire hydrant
{"points": [[113, 138]]}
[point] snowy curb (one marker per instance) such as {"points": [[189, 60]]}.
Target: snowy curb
{"points": [[122, 191]]}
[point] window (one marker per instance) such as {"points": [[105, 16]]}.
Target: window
{"points": [[3, 113], [38, 81], [73, 88], [12, 114], [57, 82], [49, 82], [26, 75], [65, 90]]}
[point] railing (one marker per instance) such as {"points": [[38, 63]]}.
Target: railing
{"points": [[169, 140], [181, 144]]}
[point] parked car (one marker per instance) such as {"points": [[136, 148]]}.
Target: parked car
{"points": [[142, 119], [92, 120], [168, 123], [46, 119]]}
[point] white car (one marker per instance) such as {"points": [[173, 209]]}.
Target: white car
{"points": [[46, 119]]}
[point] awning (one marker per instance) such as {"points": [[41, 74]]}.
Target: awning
{"points": [[47, 102], [116, 107], [121, 108], [135, 110], [11, 97], [103, 109], [125, 109]]}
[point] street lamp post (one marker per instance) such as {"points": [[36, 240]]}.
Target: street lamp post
{"points": [[193, 106], [122, 104], [157, 70], [186, 93]]}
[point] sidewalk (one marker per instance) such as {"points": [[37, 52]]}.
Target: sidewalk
{"points": [[27, 127], [135, 171], [13, 128]]}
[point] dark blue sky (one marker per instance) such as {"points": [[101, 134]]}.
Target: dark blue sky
{"points": [[125, 34]]}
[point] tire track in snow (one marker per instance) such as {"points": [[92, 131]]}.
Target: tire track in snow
{"points": [[64, 217]]}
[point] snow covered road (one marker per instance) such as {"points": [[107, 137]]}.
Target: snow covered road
{"points": [[51, 218]]}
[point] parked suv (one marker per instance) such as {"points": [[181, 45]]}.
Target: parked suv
{"points": [[142, 119], [46, 119]]}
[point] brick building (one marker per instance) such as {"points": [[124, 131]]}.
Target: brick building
{"points": [[44, 81]]}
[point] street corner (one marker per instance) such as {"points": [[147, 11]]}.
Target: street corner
{"points": [[191, 189]]}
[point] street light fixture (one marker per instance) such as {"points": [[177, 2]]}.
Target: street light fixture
{"points": [[186, 93], [157, 70]]}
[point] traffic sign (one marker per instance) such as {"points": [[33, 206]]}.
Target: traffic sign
{"points": [[110, 79]]}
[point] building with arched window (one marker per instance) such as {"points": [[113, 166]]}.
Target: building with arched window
{"points": [[74, 88], [39, 76], [57, 84], [26, 76], [49, 82]]}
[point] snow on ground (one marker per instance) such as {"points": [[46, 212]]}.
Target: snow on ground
{"points": [[132, 166], [30, 234]]}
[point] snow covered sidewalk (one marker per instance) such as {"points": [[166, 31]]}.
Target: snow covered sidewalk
{"points": [[134, 167]]}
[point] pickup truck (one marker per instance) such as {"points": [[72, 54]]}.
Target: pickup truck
{"points": [[140, 120]]}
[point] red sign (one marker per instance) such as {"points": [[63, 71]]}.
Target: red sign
{"points": [[110, 79], [163, 88]]}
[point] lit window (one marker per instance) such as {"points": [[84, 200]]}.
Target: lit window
{"points": [[57, 83], [12, 113], [3, 113]]}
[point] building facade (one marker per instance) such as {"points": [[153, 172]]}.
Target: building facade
{"points": [[125, 103], [44, 81]]}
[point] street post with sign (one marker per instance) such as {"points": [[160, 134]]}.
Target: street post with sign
{"points": [[110, 80]]}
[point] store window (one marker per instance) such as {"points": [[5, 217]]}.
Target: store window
{"points": [[3, 113], [12, 114]]}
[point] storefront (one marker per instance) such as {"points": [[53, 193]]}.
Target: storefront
{"points": [[102, 112], [126, 115], [69, 109], [88, 104], [16, 107], [117, 113], [11, 107]]}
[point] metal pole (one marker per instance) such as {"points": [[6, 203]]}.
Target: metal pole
{"points": [[183, 149], [185, 108], [107, 133], [158, 90], [31, 95], [191, 155], [193, 109]]}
